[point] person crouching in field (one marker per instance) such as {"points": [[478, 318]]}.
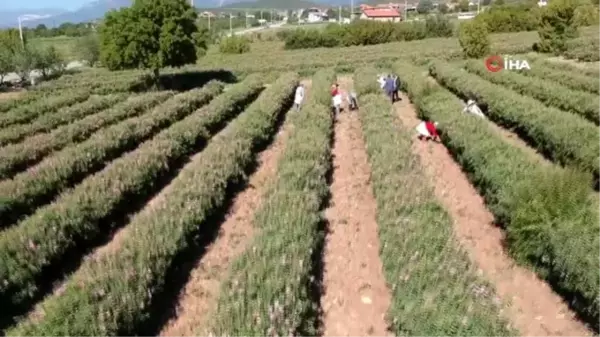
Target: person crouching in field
{"points": [[352, 101], [299, 97], [336, 96], [428, 130]]}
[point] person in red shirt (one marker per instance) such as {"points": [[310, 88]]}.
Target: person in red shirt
{"points": [[428, 130]]}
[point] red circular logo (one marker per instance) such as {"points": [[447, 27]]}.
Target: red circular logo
{"points": [[494, 63]]}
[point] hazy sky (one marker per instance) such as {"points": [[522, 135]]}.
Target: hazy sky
{"points": [[30, 4]]}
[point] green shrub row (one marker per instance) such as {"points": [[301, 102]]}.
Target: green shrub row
{"points": [[550, 215], [589, 71], [366, 32], [564, 137], [83, 214], [583, 49], [365, 81], [563, 76], [270, 288], [15, 157], [24, 99], [25, 191], [112, 294], [550, 93], [48, 122], [422, 260], [24, 113]]}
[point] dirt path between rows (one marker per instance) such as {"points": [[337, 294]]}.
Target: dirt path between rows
{"points": [[198, 298], [355, 298], [534, 309]]}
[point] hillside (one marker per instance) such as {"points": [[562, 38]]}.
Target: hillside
{"points": [[275, 4]]}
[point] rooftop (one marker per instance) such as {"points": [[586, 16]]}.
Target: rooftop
{"points": [[381, 13]]}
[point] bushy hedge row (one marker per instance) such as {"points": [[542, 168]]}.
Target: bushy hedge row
{"points": [[15, 157], [510, 18], [593, 72], [48, 122], [24, 113], [30, 249], [366, 32], [26, 190], [365, 81], [550, 214], [113, 293], [563, 76], [566, 138], [270, 288], [583, 49], [234, 45], [420, 255], [550, 93]]}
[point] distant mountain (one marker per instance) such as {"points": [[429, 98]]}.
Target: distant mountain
{"points": [[275, 4], [97, 8]]}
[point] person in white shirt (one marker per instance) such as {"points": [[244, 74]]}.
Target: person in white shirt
{"points": [[381, 81], [299, 97], [473, 109], [352, 101]]}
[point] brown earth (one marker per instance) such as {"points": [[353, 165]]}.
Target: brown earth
{"points": [[355, 298], [534, 309], [197, 300]]}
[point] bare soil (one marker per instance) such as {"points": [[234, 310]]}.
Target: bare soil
{"points": [[534, 309], [355, 298], [197, 300]]}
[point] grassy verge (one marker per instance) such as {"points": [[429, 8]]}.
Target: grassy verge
{"points": [[435, 288], [25, 113], [111, 295], [564, 137], [549, 215], [50, 121], [366, 81], [15, 157], [27, 190], [54, 233], [270, 288], [552, 94]]}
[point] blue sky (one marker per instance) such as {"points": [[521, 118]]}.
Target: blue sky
{"points": [[30, 4]]}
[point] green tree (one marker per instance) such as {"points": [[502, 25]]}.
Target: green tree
{"points": [[463, 5], [557, 25], [499, 2], [443, 8], [88, 48], [151, 34], [473, 38], [7, 64], [424, 6], [47, 60]]}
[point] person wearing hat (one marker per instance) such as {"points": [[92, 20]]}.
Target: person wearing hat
{"points": [[427, 130]]}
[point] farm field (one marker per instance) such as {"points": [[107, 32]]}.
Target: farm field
{"points": [[213, 207]]}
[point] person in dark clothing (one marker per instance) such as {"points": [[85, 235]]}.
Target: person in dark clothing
{"points": [[396, 88], [389, 87]]}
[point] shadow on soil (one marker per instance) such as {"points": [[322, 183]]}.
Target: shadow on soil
{"points": [[56, 271], [183, 81], [164, 305]]}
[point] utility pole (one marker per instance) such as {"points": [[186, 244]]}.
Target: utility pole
{"points": [[230, 24], [209, 21], [246, 19], [192, 3], [478, 2], [405, 10], [340, 14], [351, 10], [21, 32]]}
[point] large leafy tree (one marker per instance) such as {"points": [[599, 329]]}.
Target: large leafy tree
{"points": [[151, 34]]}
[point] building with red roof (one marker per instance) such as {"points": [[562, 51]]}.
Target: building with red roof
{"points": [[381, 14]]}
